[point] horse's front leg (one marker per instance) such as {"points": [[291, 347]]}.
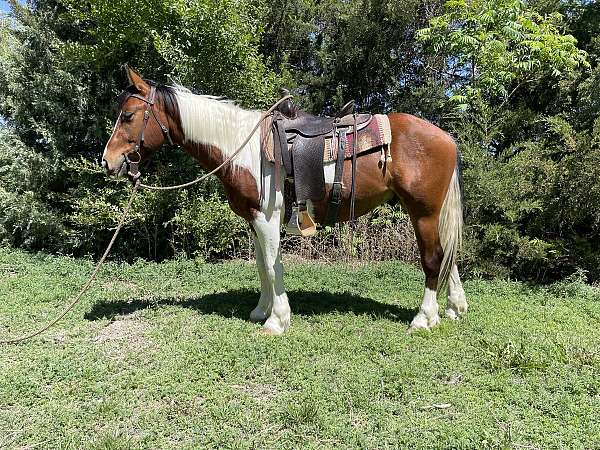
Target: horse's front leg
{"points": [[263, 309], [267, 231]]}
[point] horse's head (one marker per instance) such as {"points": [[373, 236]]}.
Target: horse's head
{"points": [[142, 127]]}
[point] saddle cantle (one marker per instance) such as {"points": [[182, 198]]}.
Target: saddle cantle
{"points": [[303, 143]]}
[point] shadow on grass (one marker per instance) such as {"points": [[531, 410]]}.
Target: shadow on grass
{"points": [[239, 303]]}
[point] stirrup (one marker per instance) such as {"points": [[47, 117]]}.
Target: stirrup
{"points": [[301, 224]]}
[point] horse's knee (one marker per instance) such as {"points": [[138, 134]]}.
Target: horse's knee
{"points": [[271, 273]]}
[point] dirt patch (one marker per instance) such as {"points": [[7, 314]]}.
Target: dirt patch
{"points": [[258, 391], [122, 337]]}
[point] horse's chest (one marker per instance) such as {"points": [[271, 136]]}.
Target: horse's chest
{"points": [[242, 193]]}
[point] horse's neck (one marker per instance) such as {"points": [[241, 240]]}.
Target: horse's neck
{"points": [[213, 130], [208, 156]]}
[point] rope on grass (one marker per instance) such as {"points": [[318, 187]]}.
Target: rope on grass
{"points": [[87, 285]]}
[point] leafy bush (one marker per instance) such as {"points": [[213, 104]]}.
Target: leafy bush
{"points": [[26, 220], [574, 286], [207, 227]]}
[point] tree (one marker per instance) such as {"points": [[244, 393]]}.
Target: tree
{"points": [[61, 64], [493, 47], [364, 50]]}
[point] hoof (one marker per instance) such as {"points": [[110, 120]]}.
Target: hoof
{"points": [[456, 308], [275, 326], [267, 331], [422, 322], [452, 314], [258, 315]]}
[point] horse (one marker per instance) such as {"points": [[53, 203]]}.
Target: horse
{"points": [[422, 173]]}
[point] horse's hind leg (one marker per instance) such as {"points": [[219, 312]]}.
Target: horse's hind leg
{"points": [[457, 302], [426, 230]]}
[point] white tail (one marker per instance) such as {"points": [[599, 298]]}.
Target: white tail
{"points": [[450, 229]]}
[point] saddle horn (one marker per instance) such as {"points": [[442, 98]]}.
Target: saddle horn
{"points": [[347, 109], [287, 108]]}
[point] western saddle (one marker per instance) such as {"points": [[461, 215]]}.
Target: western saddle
{"points": [[299, 144]]}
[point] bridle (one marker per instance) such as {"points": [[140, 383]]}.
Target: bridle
{"points": [[133, 171]]}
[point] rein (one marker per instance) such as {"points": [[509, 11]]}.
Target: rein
{"points": [[134, 174]]}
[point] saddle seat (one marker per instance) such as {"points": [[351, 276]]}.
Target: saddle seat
{"points": [[308, 125]]}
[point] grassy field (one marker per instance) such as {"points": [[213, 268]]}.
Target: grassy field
{"points": [[162, 356]]}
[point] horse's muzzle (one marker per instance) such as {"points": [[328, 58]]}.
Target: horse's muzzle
{"points": [[120, 170]]}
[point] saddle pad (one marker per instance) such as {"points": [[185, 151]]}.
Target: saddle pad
{"points": [[376, 134]]}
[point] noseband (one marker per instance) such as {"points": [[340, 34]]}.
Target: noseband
{"points": [[133, 171]]}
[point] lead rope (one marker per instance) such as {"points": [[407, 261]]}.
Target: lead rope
{"points": [[89, 281], [136, 186]]}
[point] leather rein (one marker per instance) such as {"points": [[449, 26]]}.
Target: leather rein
{"points": [[133, 171]]}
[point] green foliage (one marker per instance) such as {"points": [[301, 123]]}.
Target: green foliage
{"points": [[26, 220], [361, 50], [495, 46], [207, 227], [180, 40], [574, 285], [530, 208]]}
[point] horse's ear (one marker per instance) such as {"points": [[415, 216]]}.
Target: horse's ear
{"points": [[135, 79]]}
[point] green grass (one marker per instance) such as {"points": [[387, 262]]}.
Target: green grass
{"points": [[162, 356]]}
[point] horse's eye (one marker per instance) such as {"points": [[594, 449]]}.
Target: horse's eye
{"points": [[126, 116]]}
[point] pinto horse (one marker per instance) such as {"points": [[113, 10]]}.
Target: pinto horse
{"points": [[422, 173]]}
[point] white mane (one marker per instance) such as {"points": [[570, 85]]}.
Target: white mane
{"points": [[209, 120]]}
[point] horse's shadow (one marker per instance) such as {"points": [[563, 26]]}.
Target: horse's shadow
{"points": [[238, 303]]}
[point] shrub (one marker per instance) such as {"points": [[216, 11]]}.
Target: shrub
{"points": [[26, 220], [205, 226]]}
